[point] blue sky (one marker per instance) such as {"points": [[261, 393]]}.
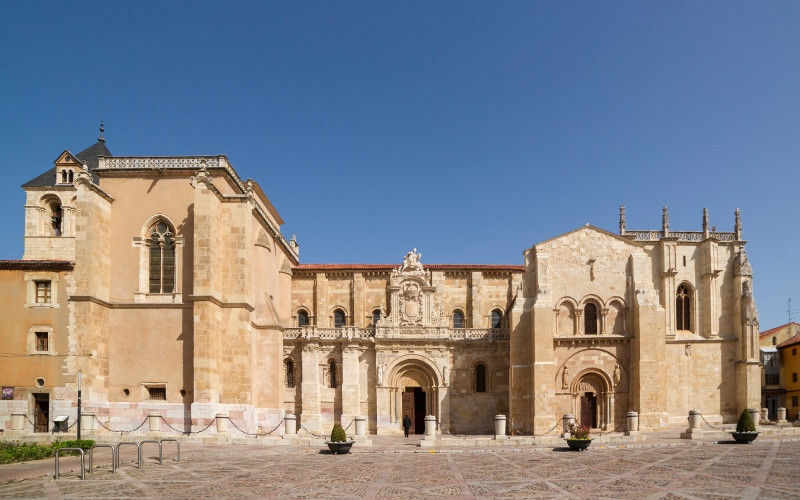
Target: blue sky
{"points": [[470, 130]]}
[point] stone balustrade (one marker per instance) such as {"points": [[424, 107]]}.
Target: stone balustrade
{"points": [[351, 332]]}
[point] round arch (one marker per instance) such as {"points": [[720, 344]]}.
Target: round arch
{"points": [[414, 383]]}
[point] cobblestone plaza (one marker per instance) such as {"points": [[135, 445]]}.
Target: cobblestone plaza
{"points": [[765, 469]]}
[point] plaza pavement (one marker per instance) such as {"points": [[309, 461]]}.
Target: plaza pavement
{"points": [[663, 466]]}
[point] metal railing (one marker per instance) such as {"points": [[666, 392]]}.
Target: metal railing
{"points": [[141, 451], [350, 332], [113, 457], [83, 460]]}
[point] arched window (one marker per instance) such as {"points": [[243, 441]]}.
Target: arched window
{"points": [[70, 176], [56, 218], [458, 319], [338, 318], [332, 373], [590, 319], [480, 377], [302, 318], [376, 316], [683, 308], [63, 177], [288, 367], [497, 319], [162, 258]]}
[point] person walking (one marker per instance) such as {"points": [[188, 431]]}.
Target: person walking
{"points": [[406, 424]]}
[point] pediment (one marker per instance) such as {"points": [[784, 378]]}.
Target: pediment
{"points": [[589, 229], [68, 159]]}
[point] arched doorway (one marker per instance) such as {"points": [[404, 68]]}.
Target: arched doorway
{"points": [[414, 390], [591, 399]]}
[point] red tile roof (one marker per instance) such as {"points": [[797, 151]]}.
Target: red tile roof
{"points": [[32, 265], [769, 332], [389, 267], [792, 341]]}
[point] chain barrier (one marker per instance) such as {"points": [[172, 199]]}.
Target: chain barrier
{"points": [[242, 430], [615, 429], [708, 424], [315, 435], [548, 432], [104, 426], [348, 425], [276, 427], [73, 424]]}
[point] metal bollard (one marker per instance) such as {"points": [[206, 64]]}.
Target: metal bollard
{"points": [[83, 460], [178, 443], [138, 452], [141, 451], [113, 457]]}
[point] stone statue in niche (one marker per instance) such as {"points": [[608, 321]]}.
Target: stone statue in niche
{"points": [[565, 378], [749, 311], [380, 374], [444, 375], [617, 376], [411, 262]]}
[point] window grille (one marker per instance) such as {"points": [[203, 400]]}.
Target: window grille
{"points": [[376, 316], [157, 393], [289, 369]]}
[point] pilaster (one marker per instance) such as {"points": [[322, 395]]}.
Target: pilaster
{"points": [[351, 388], [476, 299], [311, 417]]}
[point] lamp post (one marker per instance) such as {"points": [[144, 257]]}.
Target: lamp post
{"points": [[79, 405]]}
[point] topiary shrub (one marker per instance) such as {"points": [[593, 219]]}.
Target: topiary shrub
{"points": [[745, 423], [338, 435]]}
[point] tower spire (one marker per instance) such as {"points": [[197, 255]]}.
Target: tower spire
{"points": [[705, 222], [622, 220], [737, 224], [102, 132], [665, 221]]}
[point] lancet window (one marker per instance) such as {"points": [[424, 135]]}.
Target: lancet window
{"points": [[590, 319], [683, 308], [162, 258]]}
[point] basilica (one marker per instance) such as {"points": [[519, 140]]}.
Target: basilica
{"points": [[167, 284]]}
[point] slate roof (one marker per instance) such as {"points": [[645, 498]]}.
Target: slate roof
{"points": [[88, 155]]}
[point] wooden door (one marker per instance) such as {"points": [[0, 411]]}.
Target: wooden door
{"points": [[589, 410], [408, 408], [41, 412]]}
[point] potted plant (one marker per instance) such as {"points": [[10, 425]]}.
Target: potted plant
{"points": [[745, 428], [579, 437], [339, 443]]}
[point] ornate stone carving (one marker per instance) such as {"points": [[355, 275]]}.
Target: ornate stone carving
{"points": [[617, 376], [743, 265], [412, 300], [565, 378], [411, 262]]}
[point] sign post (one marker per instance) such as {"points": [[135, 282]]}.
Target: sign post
{"points": [[79, 405]]}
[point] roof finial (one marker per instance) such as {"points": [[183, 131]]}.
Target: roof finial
{"points": [[705, 222], [102, 132], [665, 221], [622, 220], [737, 225]]}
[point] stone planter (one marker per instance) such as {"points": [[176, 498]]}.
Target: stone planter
{"points": [[744, 437], [578, 444], [339, 448]]}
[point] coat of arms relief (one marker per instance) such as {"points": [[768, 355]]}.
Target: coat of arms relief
{"points": [[412, 301]]}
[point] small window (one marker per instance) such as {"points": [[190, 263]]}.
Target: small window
{"points": [[590, 319], [774, 340], [772, 379], [332, 373], [794, 401], [794, 377], [683, 308], [376, 316], [338, 318], [43, 292], [302, 318], [480, 378], [70, 176], [56, 218], [458, 319], [157, 393], [684, 261], [42, 341], [497, 319], [794, 351], [289, 373]]}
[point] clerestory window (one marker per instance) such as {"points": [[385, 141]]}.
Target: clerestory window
{"points": [[497, 319], [302, 318], [162, 258], [338, 318], [590, 319], [480, 378], [458, 319]]}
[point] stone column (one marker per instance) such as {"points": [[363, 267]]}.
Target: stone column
{"points": [[154, 420], [430, 426], [632, 423], [309, 388], [361, 425], [781, 415], [222, 423], [87, 421], [351, 393], [500, 427], [290, 424]]}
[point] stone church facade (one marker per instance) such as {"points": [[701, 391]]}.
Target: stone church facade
{"points": [[166, 282]]}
